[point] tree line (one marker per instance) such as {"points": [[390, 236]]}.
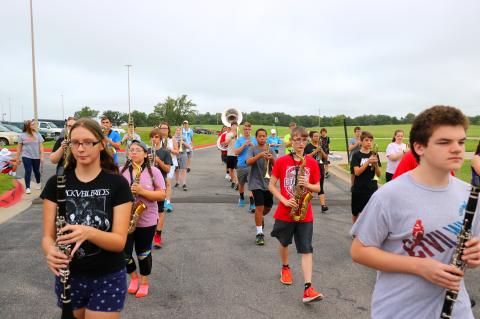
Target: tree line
{"points": [[175, 110]]}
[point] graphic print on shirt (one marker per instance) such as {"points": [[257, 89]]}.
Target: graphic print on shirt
{"points": [[422, 244], [289, 181], [87, 207]]}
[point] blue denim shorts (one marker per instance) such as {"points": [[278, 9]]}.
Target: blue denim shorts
{"points": [[104, 293]]}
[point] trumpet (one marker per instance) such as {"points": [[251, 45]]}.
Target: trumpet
{"points": [[152, 154], [267, 163]]}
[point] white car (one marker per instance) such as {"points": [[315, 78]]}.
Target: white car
{"points": [[7, 137], [118, 130]]}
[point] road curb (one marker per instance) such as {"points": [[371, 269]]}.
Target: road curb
{"points": [[12, 196]]}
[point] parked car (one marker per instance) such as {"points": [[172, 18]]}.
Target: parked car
{"points": [[17, 124], [200, 130], [12, 127], [48, 130], [58, 123], [118, 130], [7, 137]]}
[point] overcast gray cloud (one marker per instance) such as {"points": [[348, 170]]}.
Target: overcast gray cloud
{"points": [[343, 56]]}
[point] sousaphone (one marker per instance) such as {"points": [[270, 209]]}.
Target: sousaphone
{"points": [[229, 116]]}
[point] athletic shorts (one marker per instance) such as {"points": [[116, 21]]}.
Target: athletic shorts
{"points": [[359, 201], [242, 175], [232, 162], [223, 157], [262, 197], [172, 172], [104, 293], [182, 160], [161, 206], [189, 155], [302, 232]]}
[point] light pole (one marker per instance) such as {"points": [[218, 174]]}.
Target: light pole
{"points": [[63, 108], [10, 109], [128, 79], [35, 112]]}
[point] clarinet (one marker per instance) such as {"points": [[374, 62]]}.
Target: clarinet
{"points": [[464, 235], [65, 296]]}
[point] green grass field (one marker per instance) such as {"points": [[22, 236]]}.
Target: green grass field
{"points": [[382, 133], [465, 173], [6, 183]]}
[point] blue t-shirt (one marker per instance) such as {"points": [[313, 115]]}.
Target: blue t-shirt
{"points": [[242, 157], [187, 137], [114, 136], [274, 140]]}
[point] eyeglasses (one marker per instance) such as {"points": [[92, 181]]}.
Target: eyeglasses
{"points": [[85, 144], [300, 140], [136, 150]]}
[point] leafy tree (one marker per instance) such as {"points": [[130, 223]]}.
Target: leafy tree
{"points": [[174, 111], [116, 117], [86, 111], [139, 118]]}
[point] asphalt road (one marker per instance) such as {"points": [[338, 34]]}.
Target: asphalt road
{"points": [[209, 266]]}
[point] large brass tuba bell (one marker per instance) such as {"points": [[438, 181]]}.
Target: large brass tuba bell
{"points": [[229, 116]]}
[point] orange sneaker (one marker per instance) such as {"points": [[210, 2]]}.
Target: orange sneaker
{"points": [[157, 241], [310, 295], [286, 276]]}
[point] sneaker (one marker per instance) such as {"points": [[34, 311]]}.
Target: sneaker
{"points": [[286, 276], [176, 185], [227, 176], [251, 208], [38, 186], [185, 188], [168, 207], [236, 187], [28, 191], [260, 240], [232, 185], [241, 202], [157, 241], [327, 175], [324, 208], [188, 170], [310, 295]]}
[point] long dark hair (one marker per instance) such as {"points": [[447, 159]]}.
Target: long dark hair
{"points": [[27, 128], [477, 152], [106, 160], [146, 164], [395, 134], [169, 135]]}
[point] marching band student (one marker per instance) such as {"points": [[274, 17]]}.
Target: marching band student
{"points": [[274, 141], [230, 140], [408, 230], [315, 150], [257, 159], [395, 152], [149, 189], [242, 145], [61, 144], [476, 166], [187, 133], [223, 153], [285, 171], [129, 137], [112, 137], [163, 161], [287, 139], [325, 143], [172, 148], [99, 202], [182, 158], [354, 145], [365, 166]]}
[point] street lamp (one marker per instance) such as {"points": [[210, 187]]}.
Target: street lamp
{"points": [[35, 112], [128, 79]]}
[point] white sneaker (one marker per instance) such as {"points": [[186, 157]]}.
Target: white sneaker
{"points": [[227, 176], [38, 186], [27, 191]]}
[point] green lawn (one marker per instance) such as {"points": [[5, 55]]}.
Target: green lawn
{"points": [[382, 133], [464, 173], [6, 183]]}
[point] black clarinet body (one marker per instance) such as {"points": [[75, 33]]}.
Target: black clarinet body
{"points": [[464, 235]]}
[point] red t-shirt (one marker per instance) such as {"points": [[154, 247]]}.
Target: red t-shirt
{"points": [[284, 171], [222, 136], [408, 163]]}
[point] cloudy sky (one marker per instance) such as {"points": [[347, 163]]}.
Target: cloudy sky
{"points": [[340, 56]]}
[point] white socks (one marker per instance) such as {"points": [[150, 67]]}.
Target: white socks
{"points": [[259, 230]]}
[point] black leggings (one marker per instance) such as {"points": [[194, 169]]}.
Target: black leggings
{"points": [[142, 238]]}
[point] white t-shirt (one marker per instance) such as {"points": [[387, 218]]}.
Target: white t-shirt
{"points": [[170, 147], [393, 148]]}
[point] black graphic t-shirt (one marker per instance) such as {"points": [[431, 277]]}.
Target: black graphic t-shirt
{"points": [[364, 183], [165, 157], [92, 204]]}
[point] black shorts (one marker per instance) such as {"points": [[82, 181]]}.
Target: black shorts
{"points": [[359, 201], [161, 205], [322, 179], [302, 232], [224, 158], [232, 162], [262, 198]]}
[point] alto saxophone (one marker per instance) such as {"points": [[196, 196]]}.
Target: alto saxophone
{"points": [[302, 195], [139, 206]]}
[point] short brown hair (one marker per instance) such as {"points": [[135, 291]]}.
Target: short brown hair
{"points": [[106, 118], [426, 122], [155, 131], [357, 128], [292, 124], [323, 130], [247, 124], [312, 133], [366, 134], [299, 131]]}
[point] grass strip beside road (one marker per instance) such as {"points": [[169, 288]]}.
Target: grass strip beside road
{"points": [[6, 183]]}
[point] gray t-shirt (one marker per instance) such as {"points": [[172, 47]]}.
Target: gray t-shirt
{"points": [[352, 141], [256, 179], [30, 145], [389, 221]]}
